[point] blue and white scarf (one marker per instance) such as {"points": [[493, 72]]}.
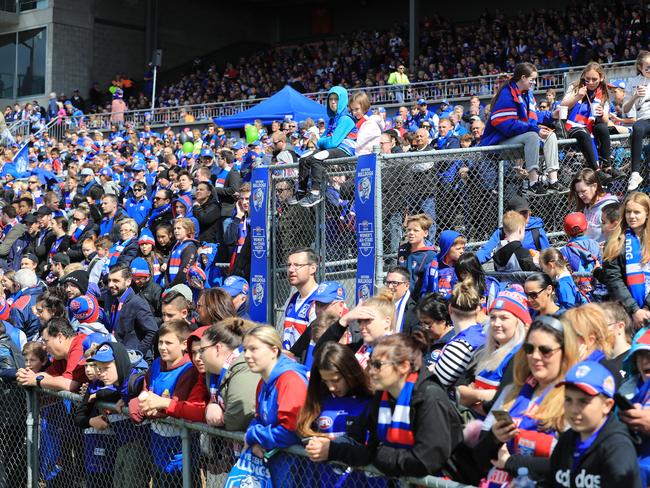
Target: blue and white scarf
{"points": [[394, 427]]}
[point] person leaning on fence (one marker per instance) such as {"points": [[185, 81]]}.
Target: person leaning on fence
{"points": [[416, 254], [510, 255], [626, 257], [280, 395], [514, 120], [637, 97]]}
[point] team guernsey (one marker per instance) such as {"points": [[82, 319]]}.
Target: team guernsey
{"points": [[165, 447], [298, 314]]}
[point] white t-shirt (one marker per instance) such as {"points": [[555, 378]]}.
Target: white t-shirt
{"points": [[642, 105]]}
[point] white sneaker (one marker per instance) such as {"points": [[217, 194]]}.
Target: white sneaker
{"points": [[635, 181]]}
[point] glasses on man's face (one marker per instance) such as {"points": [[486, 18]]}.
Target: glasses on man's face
{"points": [[545, 351], [394, 284], [296, 266], [77, 219], [32, 182], [138, 189], [158, 198], [377, 364]]}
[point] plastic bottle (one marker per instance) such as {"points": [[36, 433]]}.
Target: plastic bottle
{"points": [[523, 480]]}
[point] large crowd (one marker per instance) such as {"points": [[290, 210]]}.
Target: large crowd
{"points": [[126, 261]]}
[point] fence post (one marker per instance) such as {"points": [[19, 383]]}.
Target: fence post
{"points": [[32, 420], [378, 223], [501, 191], [187, 457]]}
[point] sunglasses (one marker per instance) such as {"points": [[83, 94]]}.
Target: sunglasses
{"points": [[534, 294], [377, 364], [545, 351]]}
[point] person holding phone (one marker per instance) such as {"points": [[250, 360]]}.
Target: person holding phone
{"points": [[536, 408], [637, 97], [587, 100]]}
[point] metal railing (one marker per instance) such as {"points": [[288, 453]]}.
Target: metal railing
{"points": [[43, 447], [453, 89], [19, 128], [470, 201]]}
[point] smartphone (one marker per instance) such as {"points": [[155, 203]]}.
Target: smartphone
{"points": [[622, 402], [502, 416], [305, 440]]}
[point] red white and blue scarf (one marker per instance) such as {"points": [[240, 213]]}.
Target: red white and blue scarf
{"points": [[394, 427], [635, 276], [175, 258], [116, 251], [580, 115], [77, 233]]}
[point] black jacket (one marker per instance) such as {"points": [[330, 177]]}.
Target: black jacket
{"points": [[411, 321], [611, 460], [226, 195], [74, 251], [513, 257], [163, 218], [437, 428], [209, 218], [151, 292], [615, 279], [136, 326]]}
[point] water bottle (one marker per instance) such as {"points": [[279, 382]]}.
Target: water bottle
{"points": [[523, 480]]}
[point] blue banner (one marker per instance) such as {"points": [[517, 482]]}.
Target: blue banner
{"points": [[21, 160], [259, 286], [364, 205]]}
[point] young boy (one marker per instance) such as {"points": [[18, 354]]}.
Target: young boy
{"points": [[511, 255], [417, 253], [581, 253], [100, 266], [597, 451], [440, 276], [171, 376], [35, 356], [611, 216], [338, 141]]}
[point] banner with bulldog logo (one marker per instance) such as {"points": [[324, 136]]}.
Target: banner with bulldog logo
{"points": [[364, 205], [259, 286]]}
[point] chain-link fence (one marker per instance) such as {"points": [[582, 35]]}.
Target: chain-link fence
{"points": [[165, 453], [466, 190]]}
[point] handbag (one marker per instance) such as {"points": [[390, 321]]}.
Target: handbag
{"points": [[250, 471]]}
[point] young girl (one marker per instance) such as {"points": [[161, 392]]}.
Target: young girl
{"points": [[183, 253], [338, 400], [626, 259], [539, 289], [516, 96], [146, 244], [590, 197], [637, 96], [555, 266], [375, 317], [369, 128], [509, 318], [587, 100], [281, 394], [455, 357]]}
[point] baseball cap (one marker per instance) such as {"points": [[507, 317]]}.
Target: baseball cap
{"points": [[87, 172], [138, 166], [617, 84], [107, 172], [183, 290], [575, 223], [104, 354], [30, 218], [237, 146], [444, 102], [592, 378], [207, 153], [61, 257], [518, 204], [235, 285], [330, 291], [422, 101]]}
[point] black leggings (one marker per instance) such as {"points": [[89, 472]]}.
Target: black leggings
{"points": [[603, 142], [309, 166], [639, 130]]}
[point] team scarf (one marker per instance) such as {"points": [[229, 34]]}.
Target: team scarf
{"points": [[580, 115], [106, 225], [222, 177], [116, 308], [155, 270], [55, 246], [155, 212], [67, 199], [116, 251], [241, 239], [635, 276], [394, 428], [216, 382], [363, 355], [88, 186], [10, 225], [38, 198], [490, 380], [175, 258], [530, 441], [76, 235]]}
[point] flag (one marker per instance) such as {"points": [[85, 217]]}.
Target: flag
{"points": [[21, 160]]}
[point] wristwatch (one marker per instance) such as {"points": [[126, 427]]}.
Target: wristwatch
{"points": [[39, 378]]}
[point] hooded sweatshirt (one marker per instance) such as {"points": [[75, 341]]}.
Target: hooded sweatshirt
{"points": [[187, 203], [341, 123], [512, 257], [279, 400], [534, 233], [446, 240]]}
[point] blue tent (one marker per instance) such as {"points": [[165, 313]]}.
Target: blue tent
{"points": [[285, 102]]}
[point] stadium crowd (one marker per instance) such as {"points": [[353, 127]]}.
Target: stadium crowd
{"points": [[126, 261]]}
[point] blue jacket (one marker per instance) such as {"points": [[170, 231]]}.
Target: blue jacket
{"points": [[340, 123], [266, 429], [416, 262], [445, 241], [21, 311], [137, 210], [485, 253]]}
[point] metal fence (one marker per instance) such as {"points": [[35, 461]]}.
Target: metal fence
{"points": [[42, 447], [465, 190]]}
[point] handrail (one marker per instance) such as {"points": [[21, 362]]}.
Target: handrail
{"points": [[453, 89]]}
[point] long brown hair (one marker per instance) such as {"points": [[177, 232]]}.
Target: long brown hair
{"points": [[218, 304], [593, 66], [521, 70], [331, 356], [616, 242], [588, 177]]}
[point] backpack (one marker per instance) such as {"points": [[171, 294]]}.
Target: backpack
{"points": [[139, 369], [581, 260], [534, 233]]}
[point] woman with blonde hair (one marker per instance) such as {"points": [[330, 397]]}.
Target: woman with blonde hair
{"points": [[590, 325], [281, 394], [528, 416], [626, 259], [375, 317]]}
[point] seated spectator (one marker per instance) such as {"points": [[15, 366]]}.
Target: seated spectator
{"points": [[549, 350], [636, 97], [619, 325], [144, 285], [581, 253], [237, 288], [539, 288], [590, 197], [555, 265], [215, 305], [510, 254], [590, 326], [368, 128], [435, 323], [176, 304], [23, 301], [397, 281], [440, 275], [126, 250]]}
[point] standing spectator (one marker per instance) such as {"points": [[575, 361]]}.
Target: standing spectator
{"points": [[208, 213], [399, 80], [118, 107], [22, 315], [183, 254], [637, 97]]}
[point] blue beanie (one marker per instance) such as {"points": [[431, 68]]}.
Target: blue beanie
{"points": [[139, 267]]}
